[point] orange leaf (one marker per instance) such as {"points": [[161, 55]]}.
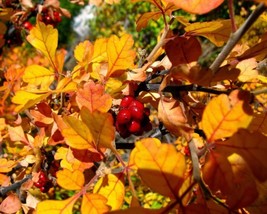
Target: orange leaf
{"points": [[101, 127], [224, 115], [143, 20], [259, 123], [139, 210], [83, 52], [93, 97], [77, 134], [70, 180], [183, 50], [94, 204], [44, 38], [217, 32], [42, 116], [160, 161], [11, 204], [56, 207], [197, 6], [6, 165], [112, 187], [17, 134], [120, 54]]}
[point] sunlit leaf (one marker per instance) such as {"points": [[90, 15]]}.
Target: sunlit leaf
{"points": [[248, 69], [83, 51], [112, 187], [66, 85], [160, 161], [70, 180], [43, 115], [197, 6], [11, 204], [121, 56], [94, 204], [57, 207], [17, 134], [224, 115], [100, 51], [93, 97], [143, 20], [101, 126], [217, 32], [183, 50], [44, 38], [6, 165]]}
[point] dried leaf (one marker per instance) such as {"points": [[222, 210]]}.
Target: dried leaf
{"points": [[218, 32], [112, 187], [120, 55], [11, 204], [70, 180], [93, 97], [94, 204], [224, 115], [161, 161]]}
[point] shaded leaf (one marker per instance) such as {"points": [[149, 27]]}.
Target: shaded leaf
{"points": [[183, 50], [160, 161], [94, 204], [197, 6], [11, 204], [112, 187], [218, 32], [70, 180], [259, 123], [120, 54], [6, 165], [56, 207], [44, 38], [93, 97], [139, 210], [224, 115], [143, 20]]}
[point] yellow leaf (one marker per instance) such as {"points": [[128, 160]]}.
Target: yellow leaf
{"points": [[100, 51], [94, 204], [38, 75], [6, 165], [101, 127], [120, 55], [27, 100], [248, 69], [224, 115], [77, 134], [93, 97], [44, 38], [112, 187], [70, 180], [66, 85], [217, 32], [160, 161], [56, 207], [114, 86], [145, 18]]}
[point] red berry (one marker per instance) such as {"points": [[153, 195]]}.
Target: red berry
{"points": [[57, 16], [138, 104], [124, 116], [42, 177], [123, 130], [147, 111], [136, 113], [39, 184], [27, 25], [134, 127], [126, 101]]}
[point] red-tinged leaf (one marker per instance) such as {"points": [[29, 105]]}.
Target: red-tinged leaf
{"points": [[101, 127], [259, 123], [161, 161], [218, 32], [139, 210], [94, 204], [224, 115], [121, 56], [183, 50], [93, 97], [57, 207], [38, 76], [77, 134], [42, 117], [112, 187], [4, 179], [26, 100], [44, 38], [7, 165], [17, 134], [253, 149], [84, 155], [11, 204], [196, 6], [143, 20], [70, 180], [228, 172]]}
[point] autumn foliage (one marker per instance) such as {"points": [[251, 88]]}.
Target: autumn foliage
{"points": [[206, 152]]}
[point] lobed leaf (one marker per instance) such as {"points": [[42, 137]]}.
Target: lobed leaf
{"points": [[112, 187], [224, 115], [94, 204], [70, 180], [143, 20], [6, 165], [160, 161]]}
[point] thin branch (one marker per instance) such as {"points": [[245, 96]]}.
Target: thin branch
{"points": [[259, 91], [235, 37], [232, 15]]}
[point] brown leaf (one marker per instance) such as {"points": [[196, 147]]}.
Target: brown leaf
{"points": [[11, 204]]}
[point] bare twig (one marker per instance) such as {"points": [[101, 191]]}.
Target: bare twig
{"points": [[232, 15], [235, 37]]}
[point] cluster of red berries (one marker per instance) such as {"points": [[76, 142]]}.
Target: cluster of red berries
{"points": [[44, 183], [27, 25], [50, 17], [132, 117]]}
